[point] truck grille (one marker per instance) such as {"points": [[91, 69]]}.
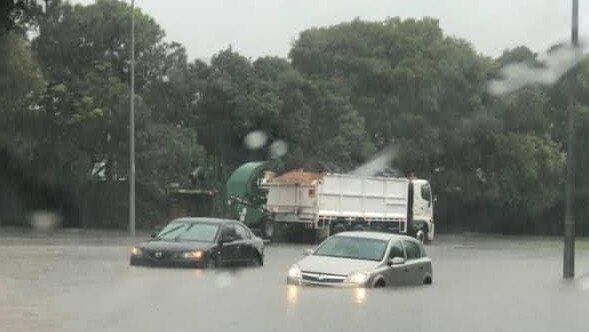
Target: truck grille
{"points": [[323, 277]]}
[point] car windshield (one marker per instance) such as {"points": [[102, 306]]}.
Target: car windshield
{"points": [[201, 232], [353, 247]]}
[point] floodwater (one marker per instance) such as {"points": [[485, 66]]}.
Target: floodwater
{"points": [[82, 282]]}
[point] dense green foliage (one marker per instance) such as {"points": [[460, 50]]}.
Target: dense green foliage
{"points": [[344, 93]]}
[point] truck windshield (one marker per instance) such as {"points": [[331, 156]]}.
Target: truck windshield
{"points": [[201, 232], [353, 247]]}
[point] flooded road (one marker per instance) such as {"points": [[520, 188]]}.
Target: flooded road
{"points": [[82, 282]]}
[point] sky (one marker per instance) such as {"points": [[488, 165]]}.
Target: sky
{"points": [[257, 28]]}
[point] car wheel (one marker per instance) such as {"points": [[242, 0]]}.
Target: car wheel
{"points": [[256, 261], [428, 280], [380, 284]]}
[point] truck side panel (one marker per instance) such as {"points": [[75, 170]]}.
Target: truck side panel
{"points": [[348, 196], [300, 199]]}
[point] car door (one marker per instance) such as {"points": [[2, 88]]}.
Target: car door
{"points": [[396, 274], [243, 249], [414, 265], [228, 246]]}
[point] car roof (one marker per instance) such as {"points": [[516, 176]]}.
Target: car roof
{"points": [[205, 220], [375, 235]]}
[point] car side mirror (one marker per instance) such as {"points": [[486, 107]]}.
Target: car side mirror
{"points": [[396, 261], [308, 252], [156, 231]]}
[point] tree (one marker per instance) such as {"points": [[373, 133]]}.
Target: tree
{"points": [[425, 94], [18, 15], [84, 51], [21, 83]]}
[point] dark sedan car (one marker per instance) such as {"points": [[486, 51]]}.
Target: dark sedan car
{"points": [[203, 243]]}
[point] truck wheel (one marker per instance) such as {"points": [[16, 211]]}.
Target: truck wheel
{"points": [[338, 228], [426, 239], [278, 233], [268, 228], [359, 228], [321, 234], [421, 235]]}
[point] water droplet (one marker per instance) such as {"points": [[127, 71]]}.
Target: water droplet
{"points": [[255, 140], [278, 149]]}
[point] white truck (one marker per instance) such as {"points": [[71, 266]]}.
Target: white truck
{"points": [[331, 203]]}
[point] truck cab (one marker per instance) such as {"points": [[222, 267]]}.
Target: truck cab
{"points": [[422, 210]]}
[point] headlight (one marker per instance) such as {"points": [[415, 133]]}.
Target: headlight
{"points": [[136, 251], [358, 277], [193, 254], [294, 272]]}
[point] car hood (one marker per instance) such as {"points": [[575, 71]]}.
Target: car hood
{"points": [[176, 246], [335, 265]]}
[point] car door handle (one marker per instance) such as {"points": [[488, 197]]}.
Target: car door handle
{"points": [[421, 267], [406, 270]]}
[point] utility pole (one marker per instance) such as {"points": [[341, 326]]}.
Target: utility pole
{"points": [[569, 221], [132, 129]]}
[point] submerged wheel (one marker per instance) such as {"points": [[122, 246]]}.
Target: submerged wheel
{"points": [[338, 228], [359, 228], [211, 263], [256, 261], [428, 280], [380, 284], [321, 234], [420, 236], [426, 239], [277, 232], [268, 229]]}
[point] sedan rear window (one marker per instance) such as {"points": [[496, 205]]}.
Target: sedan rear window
{"points": [[353, 247]]}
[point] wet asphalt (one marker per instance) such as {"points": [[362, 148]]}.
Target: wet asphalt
{"points": [[81, 281]]}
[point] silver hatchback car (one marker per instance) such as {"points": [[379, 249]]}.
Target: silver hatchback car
{"points": [[363, 259]]}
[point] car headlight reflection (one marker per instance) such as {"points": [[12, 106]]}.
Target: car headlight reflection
{"points": [[136, 251], [358, 278], [198, 254], [294, 272]]}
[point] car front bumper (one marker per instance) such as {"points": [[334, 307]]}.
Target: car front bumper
{"points": [[168, 262], [302, 282]]}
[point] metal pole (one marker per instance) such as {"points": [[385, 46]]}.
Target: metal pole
{"points": [[569, 221], [132, 129]]}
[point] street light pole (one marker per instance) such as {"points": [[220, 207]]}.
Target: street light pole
{"points": [[569, 221], [132, 129]]}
